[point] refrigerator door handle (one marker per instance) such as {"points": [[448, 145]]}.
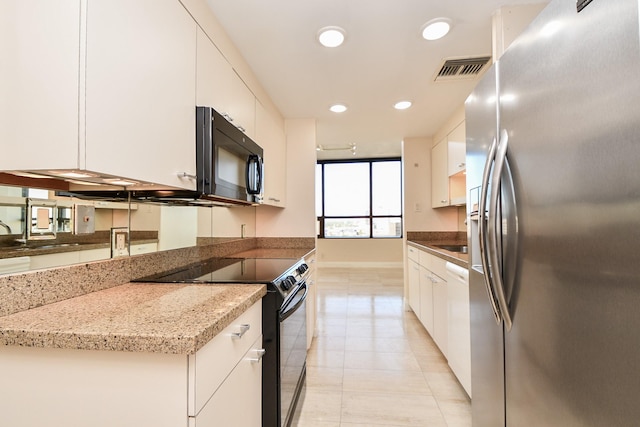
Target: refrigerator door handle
{"points": [[482, 232], [492, 229]]}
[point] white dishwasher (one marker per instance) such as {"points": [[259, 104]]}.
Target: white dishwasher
{"points": [[459, 346]]}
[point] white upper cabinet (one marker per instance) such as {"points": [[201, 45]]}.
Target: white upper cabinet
{"points": [[439, 175], [448, 183], [456, 150], [40, 44], [140, 90], [111, 86], [219, 86], [270, 136]]}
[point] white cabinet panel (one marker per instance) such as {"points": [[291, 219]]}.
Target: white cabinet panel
{"points": [[426, 299], [79, 388], [440, 313], [40, 45], [143, 248], [456, 154], [270, 136], [414, 286], [439, 175], [459, 340], [140, 90], [94, 254], [448, 183], [238, 401], [212, 363], [219, 86]]}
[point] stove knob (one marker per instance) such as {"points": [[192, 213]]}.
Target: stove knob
{"points": [[288, 282], [303, 267]]}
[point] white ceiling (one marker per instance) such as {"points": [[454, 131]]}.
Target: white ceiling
{"points": [[383, 60]]}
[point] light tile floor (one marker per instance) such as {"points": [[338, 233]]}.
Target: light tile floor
{"points": [[372, 363]]}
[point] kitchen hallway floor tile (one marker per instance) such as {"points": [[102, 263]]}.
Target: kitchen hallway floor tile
{"points": [[372, 363]]}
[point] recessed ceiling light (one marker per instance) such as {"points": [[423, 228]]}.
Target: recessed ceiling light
{"points": [[338, 108], [436, 28], [402, 105], [331, 36]]}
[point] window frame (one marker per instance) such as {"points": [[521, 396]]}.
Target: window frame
{"points": [[321, 218]]}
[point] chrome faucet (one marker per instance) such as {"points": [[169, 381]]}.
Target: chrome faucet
{"points": [[5, 226]]}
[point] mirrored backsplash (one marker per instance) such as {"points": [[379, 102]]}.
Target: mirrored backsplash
{"points": [[39, 229]]}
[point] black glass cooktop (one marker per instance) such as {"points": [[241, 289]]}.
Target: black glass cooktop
{"points": [[228, 270]]}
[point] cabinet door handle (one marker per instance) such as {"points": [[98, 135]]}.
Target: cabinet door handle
{"points": [[444, 201], [461, 165], [187, 175], [243, 330], [259, 355]]}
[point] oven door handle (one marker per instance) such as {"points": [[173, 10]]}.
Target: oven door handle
{"points": [[286, 311]]}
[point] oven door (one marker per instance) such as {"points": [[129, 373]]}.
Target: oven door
{"points": [[293, 351]]}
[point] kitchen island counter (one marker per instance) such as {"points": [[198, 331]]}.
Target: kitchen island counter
{"points": [[140, 317]]}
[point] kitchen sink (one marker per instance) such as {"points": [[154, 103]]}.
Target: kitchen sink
{"points": [[463, 249]]}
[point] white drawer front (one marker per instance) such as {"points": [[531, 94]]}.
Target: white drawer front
{"points": [[412, 253], [212, 363], [238, 401]]}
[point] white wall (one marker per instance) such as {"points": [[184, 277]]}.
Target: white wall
{"points": [[298, 219], [508, 22], [344, 252], [418, 214]]}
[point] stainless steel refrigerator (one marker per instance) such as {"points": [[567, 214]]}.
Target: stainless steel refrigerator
{"points": [[553, 181]]}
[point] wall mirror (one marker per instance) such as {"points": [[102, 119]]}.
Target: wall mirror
{"points": [[112, 229]]}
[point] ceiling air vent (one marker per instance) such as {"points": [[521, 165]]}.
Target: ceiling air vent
{"points": [[461, 68]]}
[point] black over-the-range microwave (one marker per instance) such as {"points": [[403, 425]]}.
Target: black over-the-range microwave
{"points": [[229, 169], [229, 163]]}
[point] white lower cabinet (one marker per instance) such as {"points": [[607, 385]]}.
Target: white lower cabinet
{"points": [[69, 258], [414, 286], [440, 313], [238, 400], [143, 248], [426, 299], [443, 309], [459, 341], [220, 385]]}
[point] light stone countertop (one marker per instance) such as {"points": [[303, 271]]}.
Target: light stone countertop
{"points": [[454, 257], [140, 317]]}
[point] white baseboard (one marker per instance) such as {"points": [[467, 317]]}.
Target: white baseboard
{"points": [[353, 264]]}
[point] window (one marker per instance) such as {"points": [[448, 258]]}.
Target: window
{"points": [[359, 198]]}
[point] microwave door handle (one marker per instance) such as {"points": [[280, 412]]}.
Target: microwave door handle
{"points": [[260, 170], [251, 174]]}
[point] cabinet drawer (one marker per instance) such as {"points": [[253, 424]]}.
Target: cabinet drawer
{"points": [[426, 259], [439, 267], [238, 401], [144, 248], [412, 253], [212, 364]]}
